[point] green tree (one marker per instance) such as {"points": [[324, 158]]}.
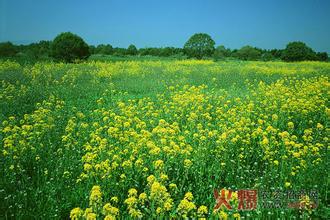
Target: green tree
{"points": [[104, 49], [199, 45], [69, 47], [131, 50], [276, 53], [267, 56], [221, 52], [248, 53], [298, 51], [322, 56], [92, 49], [117, 51], [7, 49], [36, 51]]}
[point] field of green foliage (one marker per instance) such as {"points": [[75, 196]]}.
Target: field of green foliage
{"points": [[156, 139]]}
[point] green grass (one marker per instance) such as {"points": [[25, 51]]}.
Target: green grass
{"points": [[39, 189]]}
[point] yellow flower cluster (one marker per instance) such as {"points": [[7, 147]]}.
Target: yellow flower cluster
{"points": [[186, 207], [249, 129], [153, 133], [96, 208], [132, 203]]}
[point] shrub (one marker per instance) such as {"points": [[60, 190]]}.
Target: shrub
{"points": [[69, 47], [248, 53], [131, 50], [298, 51], [221, 52], [199, 45], [7, 49], [322, 56], [104, 49]]}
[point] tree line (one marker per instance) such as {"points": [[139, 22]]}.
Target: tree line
{"points": [[69, 47]]}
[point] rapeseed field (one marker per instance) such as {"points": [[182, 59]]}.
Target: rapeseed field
{"points": [[164, 139]]}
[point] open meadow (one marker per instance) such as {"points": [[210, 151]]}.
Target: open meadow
{"points": [[159, 139]]}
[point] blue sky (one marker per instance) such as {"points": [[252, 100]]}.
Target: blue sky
{"points": [[154, 23]]}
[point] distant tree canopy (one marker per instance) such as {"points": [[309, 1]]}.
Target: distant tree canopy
{"points": [[162, 51], [38, 50], [7, 49], [221, 52], [248, 53], [106, 49], [69, 47], [298, 51], [131, 50], [118, 51], [276, 53], [199, 45], [323, 56], [267, 56]]}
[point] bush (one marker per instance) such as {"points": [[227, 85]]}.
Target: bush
{"points": [[323, 56], [221, 52], [199, 45], [37, 51], [131, 50], [248, 53], [276, 53], [117, 51], [106, 49], [267, 56], [7, 49], [69, 47], [298, 51]]}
